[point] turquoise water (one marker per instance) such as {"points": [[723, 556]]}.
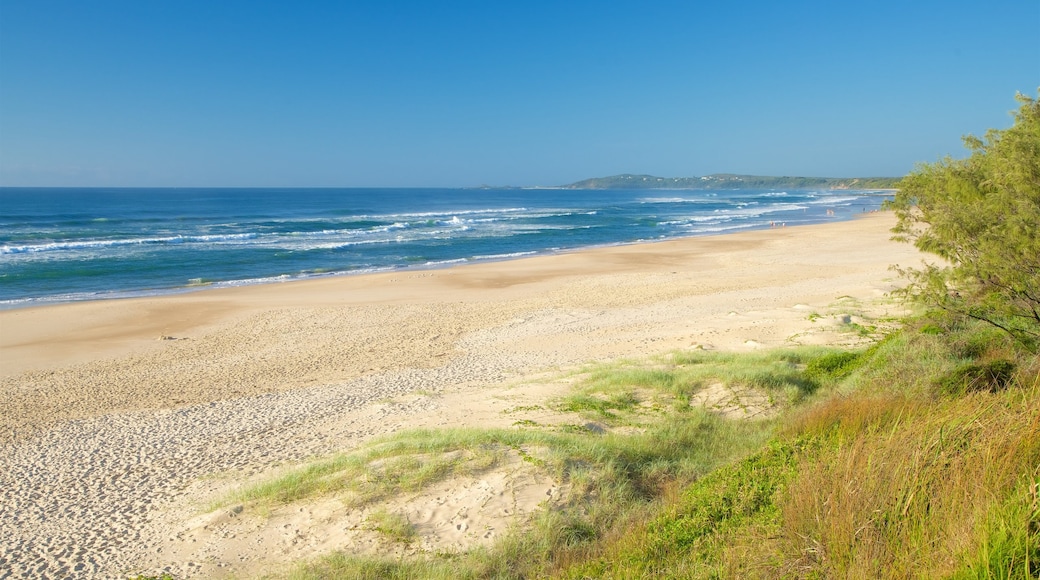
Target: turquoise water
{"points": [[59, 245]]}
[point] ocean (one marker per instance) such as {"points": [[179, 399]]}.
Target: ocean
{"points": [[62, 245]]}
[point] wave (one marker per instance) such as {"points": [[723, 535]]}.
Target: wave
{"points": [[343, 232], [434, 214], [266, 233], [406, 229], [504, 256], [12, 303], [445, 262], [693, 219], [291, 241], [299, 276], [95, 244], [760, 210], [722, 215], [288, 240], [677, 200], [833, 200], [720, 229]]}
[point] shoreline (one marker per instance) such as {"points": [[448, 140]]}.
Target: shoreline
{"points": [[119, 418], [144, 293], [30, 319]]}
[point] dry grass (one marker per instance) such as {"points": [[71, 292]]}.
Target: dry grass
{"points": [[881, 473], [897, 479], [913, 494]]}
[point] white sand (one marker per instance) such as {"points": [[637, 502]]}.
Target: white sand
{"points": [[111, 436]]}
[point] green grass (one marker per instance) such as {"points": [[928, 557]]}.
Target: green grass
{"points": [[614, 481], [686, 535], [627, 392], [866, 482], [908, 489], [407, 462], [619, 394], [877, 468], [394, 527]]}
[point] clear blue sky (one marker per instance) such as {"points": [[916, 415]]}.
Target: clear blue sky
{"points": [[452, 93]]}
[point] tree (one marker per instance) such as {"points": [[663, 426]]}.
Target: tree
{"points": [[981, 215]]}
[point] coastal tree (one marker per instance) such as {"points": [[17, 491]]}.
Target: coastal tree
{"points": [[981, 215]]}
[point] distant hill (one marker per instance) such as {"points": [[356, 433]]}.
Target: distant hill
{"points": [[732, 181]]}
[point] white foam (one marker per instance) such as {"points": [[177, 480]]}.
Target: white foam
{"points": [[96, 244], [504, 256], [446, 262], [663, 200], [828, 200]]}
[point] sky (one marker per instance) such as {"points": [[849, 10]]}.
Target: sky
{"points": [[188, 93]]}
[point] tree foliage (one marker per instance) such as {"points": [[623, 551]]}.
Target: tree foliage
{"points": [[981, 215]]}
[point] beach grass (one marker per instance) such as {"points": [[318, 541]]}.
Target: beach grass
{"points": [[867, 481], [393, 526], [653, 396], [875, 468]]}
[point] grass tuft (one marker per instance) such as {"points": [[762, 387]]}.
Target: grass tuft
{"points": [[395, 527], [988, 377]]}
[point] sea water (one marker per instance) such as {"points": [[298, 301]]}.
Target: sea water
{"points": [[59, 245]]}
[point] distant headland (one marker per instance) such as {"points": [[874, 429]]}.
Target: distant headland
{"points": [[731, 181]]}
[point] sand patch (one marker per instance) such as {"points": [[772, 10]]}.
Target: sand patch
{"points": [[448, 516], [735, 402]]}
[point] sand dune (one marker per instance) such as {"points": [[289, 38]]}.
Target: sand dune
{"points": [[116, 417]]}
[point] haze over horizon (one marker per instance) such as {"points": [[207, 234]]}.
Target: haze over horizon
{"points": [[459, 94]]}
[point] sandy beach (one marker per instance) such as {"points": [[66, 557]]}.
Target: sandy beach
{"points": [[117, 418]]}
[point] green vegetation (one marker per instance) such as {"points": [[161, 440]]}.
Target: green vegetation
{"points": [[918, 456], [981, 215], [732, 181], [675, 441], [395, 527], [882, 470], [866, 483], [615, 479]]}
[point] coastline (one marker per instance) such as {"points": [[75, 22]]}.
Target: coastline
{"points": [[124, 256], [151, 396], [49, 335]]}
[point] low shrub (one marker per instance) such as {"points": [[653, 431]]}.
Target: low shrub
{"points": [[833, 366], [987, 377]]}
